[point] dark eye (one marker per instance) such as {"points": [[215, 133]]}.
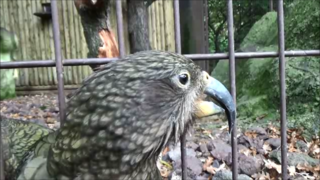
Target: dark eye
{"points": [[183, 79]]}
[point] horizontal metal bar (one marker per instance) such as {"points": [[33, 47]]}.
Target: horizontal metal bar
{"points": [[246, 55], [195, 57], [51, 63]]}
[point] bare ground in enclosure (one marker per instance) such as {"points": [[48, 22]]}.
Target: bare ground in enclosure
{"points": [[208, 146]]}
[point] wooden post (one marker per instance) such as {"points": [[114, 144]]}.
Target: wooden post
{"points": [[193, 29]]}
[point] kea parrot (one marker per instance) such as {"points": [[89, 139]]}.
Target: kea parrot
{"points": [[118, 121]]}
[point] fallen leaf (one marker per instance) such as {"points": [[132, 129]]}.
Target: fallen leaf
{"points": [[267, 148], [253, 151], [292, 170], [272, 165], [207, 163], [213, 170], [314, 148], [251, 134], [307, 176], [246, 152], [224, 128], [261, 176], [166, 149], [314, 169]]}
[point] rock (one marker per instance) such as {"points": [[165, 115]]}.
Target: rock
{"points": [[258, 145], [220, 149], [209, 146], [192, 145], [53, 110], [190, 152], [302, 146], [194, 164], [194, 167], [294, 158], [198, 154], [12, 109], [175, 154], [34, 105], [242, 147], [262, 133], [250, 143], [39, 121], [50, 120], [201, 178], [175, 176], [216, 163], [298, 177], [227, 175], [225, 136], [165, 157], [203, 148], [249, 165], [274, 142], [263, 137], [47, 115], [228, 159], [244, 140]]}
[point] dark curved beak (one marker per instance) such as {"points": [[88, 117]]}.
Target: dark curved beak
{"points": [[217, 91]]}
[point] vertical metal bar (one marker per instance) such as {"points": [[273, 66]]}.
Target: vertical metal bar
{"points": [[233, 88], [1, 154], [58, 58], [120, 28], [282, 64], [177, 25], [178, 50], [271, 5], [183, 145], [206, 27]]}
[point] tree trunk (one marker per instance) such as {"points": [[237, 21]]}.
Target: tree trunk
{"points": [[138, 26], [95, 21]]}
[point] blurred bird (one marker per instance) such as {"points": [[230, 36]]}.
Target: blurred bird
{"points": [[121, 118]]}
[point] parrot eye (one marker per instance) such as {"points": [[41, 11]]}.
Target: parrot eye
{"points": [[183, 78]]}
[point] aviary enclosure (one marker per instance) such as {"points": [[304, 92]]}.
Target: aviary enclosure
{"points": [[68, 69]]}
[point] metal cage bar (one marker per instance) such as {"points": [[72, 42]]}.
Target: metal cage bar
{"points": [[232, 77], [59, 63], [183, 139], [120, 28], [194, 57], [283, 108], [1, 155]]}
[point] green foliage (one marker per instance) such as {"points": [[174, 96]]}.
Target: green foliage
{"points": [[302, 30], [257, 80], [246, 13], [8, 44]]}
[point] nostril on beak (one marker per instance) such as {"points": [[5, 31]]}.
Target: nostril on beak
{"points": [[206, 75]]}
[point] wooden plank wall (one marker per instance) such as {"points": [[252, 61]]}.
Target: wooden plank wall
{"points": [[36, 37]]}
